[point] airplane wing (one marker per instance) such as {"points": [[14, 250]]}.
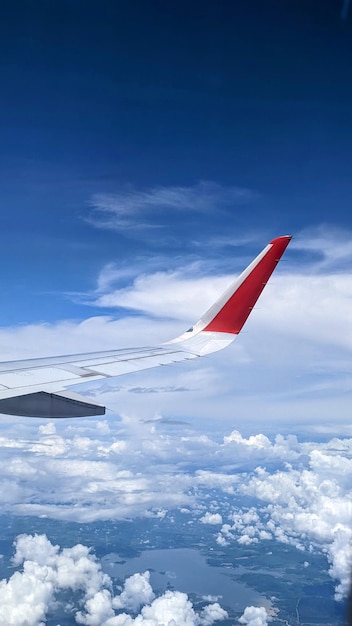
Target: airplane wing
{"points": [[42, 387]]}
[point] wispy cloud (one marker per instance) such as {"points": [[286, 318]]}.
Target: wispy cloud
{"points": [[330, 247], [150, 294], [146, 208]]}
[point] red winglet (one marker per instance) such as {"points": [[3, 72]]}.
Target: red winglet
{"points": [[234, 313]]}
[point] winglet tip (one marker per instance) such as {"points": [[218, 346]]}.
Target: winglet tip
{"points": [[282, 238]]}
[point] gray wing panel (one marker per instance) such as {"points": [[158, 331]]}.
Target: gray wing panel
{"points": [[51, 405]]}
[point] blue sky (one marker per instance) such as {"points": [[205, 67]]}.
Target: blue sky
{"points": [[129, 97], [149, 150]]}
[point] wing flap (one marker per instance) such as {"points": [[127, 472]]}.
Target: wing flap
{"points": [[53, 405]]}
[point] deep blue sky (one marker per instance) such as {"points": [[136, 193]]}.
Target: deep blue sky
{"points": [[115, 97], [148, 150]]}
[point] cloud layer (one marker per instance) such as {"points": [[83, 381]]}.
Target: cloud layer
{"points": [[301, 491]]}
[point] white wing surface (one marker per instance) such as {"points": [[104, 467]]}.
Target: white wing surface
{"points": [[42, 387]]}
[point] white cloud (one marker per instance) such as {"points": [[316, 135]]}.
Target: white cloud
{"points": [[330, 244], [26, 597], [211, 518], [150, 295], [311, 306], [302, 489], [173, 608], [48, 570], [137, 591], [212, 613], [255, 616], [47, 429], [257, 441], [136, 208], [305, 507], [98, 610]]}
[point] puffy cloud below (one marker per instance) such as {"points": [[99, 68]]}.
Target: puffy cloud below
{"points": [[26, 597], [137, 591], [309, 508], [211, 518], [255, 616], [301, 492], [114, 470], [257, 441], [212, 613], [48, 571], [173, 608]]}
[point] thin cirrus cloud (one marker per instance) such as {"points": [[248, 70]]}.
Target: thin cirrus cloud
{"points": [[330, 247], [139, 209]]}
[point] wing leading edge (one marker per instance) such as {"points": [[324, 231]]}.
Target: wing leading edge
{"points": [[42, 387]]}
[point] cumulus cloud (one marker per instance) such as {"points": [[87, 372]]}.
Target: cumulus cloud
{"points": [[300, 491], [137, 591], [212, 613], [308, 508], [98, 610], [255, 616], [47, 429], [173, 608], [47, 571], [257, 441], [211, 518]]}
